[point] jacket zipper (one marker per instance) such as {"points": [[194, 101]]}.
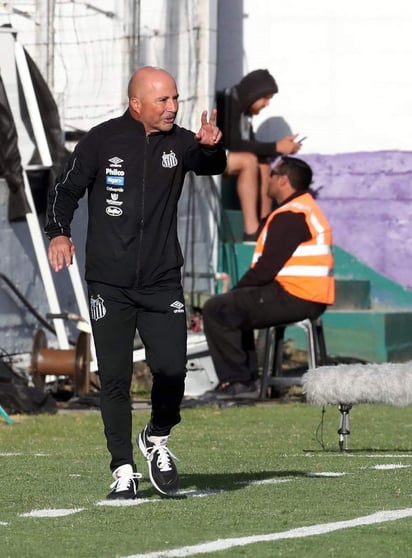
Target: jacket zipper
{"points": [[142, 211]]}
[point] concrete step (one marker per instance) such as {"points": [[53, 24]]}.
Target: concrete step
{"points": [[371, 335], [352, 294]]}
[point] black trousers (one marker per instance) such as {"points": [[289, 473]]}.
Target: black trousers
{"points": [[160, 318], [229, 320]]}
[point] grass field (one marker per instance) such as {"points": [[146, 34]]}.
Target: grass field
{"points": [[255, 482]]}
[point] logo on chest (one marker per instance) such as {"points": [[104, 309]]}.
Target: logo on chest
{"points": [[169, 160]]}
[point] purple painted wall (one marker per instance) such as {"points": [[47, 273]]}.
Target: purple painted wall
{"points": [[367, 198]]}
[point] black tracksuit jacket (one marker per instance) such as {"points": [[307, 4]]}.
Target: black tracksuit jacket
{"points": [[133, 182]]}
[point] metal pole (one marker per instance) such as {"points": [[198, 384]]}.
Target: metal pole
{"points": [[44, 33], [132, 43], [135, 37], [50, 43]]}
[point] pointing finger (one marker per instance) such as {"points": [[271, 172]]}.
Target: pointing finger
{"points": [[204, 118], [213, 116]]}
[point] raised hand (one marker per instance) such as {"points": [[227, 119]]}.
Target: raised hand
{"points": [[209, 133]]}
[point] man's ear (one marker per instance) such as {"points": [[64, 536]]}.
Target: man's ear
{"points": [[283, 180], [285, 185], [135, 105]]}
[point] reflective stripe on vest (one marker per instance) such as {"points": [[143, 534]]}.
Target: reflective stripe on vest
{"points": [[308, 273]]}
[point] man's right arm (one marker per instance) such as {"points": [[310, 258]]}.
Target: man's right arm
{"points": [[70, 187], [63, 201]]}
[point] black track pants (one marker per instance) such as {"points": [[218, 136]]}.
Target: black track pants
{"points": [[160, 319], [229, 320]]}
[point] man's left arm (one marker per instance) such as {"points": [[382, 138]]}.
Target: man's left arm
{"points": [[285, 233]]}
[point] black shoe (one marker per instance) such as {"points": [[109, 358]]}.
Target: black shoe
{"points": [[125, 484], [162, 470], [237, 390]]}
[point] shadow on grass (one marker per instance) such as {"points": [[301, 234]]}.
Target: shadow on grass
{"points": [[202, 484], [237, 481], [225, 482]]}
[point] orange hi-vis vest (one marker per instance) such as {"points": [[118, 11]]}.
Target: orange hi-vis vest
{"points": [[308, 273]]}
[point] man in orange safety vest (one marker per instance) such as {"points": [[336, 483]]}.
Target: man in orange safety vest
{"points": [[290, 279]]}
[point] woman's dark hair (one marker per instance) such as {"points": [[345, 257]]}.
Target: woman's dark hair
{"points": [[299, 173]]}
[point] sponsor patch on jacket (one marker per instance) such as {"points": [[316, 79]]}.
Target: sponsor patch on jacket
{"points": [[115, 180], [114, 211], [116, 189], [114, 199]]}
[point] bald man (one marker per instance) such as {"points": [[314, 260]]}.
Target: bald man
{"points": [[133, 168]]}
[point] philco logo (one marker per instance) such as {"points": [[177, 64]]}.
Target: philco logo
{"points": [[115, 161], [114, 211], [178, 307], [114, 172]]}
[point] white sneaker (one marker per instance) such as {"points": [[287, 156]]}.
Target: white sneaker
{"points": [[162, 470], [125, 484]]}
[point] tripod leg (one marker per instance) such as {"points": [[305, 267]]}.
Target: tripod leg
{"points": [[343, 430]]}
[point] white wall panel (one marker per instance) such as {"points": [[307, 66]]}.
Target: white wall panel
{"points": [[342, 69]]}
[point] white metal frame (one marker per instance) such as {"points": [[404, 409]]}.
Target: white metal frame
{"points": [[11, 68]]}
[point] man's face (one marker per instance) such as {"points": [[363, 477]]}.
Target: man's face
{"points": [[157, 103], [259, 104]]}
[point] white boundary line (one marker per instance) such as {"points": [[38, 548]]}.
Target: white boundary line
{"points": [[300, 532], [51, 512]]}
